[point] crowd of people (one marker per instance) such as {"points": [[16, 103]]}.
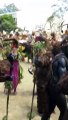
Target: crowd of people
{"points": [[51, 66]]}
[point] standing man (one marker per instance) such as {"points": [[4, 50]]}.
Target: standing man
{"points": [[56, 98]]}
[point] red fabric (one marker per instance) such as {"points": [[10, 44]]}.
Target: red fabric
{"points": [[14, 46]]}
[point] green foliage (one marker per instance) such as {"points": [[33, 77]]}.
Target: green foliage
{"points": [[39, 46], [51, 18], [4, 118], [8, 85], [20, 53], [21, 72], [7, 23], [6, 49], [32, 115]]}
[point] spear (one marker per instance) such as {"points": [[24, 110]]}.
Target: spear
{"points": [[32, 101]]}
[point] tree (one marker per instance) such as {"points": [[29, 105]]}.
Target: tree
{"points": [[8, 9], [60, 8], [50, 21], [7, 23]]}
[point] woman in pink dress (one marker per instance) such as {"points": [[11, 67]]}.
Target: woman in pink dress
{"points": [[13, 58]]}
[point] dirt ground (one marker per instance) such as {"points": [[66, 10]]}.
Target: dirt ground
{"points": [[19, 104]]}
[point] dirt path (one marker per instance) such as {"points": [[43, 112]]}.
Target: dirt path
{"points": [[19, 104]]}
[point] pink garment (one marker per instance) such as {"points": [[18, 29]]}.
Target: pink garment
{"points": [[15, 74]]}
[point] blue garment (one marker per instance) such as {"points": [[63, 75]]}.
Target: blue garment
{"points": [[56, 97], [59, 67], [10, 58]]}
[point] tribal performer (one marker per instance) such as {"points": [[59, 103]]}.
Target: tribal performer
{"points": [[13, 58], [42, 65], [56, 97]]}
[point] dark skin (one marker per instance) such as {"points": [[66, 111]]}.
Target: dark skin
{"points": [[66, 115], [56, 97]]}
